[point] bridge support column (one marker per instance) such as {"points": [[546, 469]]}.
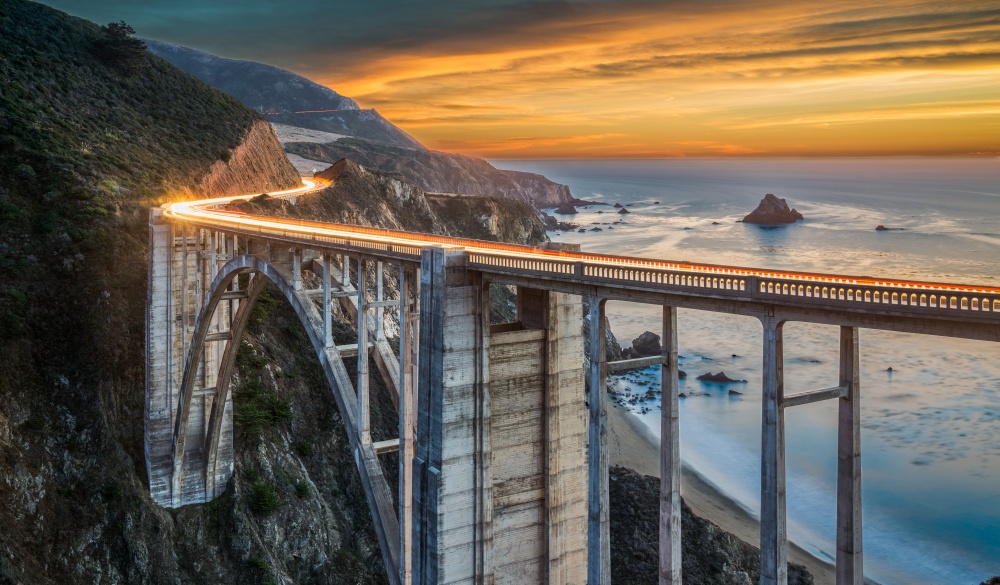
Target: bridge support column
{"points": [[850, 570], [180, 261], [500, 460], [598, 524], [773, 532], [670, 456]]}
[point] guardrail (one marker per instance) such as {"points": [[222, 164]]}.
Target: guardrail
{"points": [[827, 290]]}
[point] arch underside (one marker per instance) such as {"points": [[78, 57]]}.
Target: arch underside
{"points": [[202, 458]]}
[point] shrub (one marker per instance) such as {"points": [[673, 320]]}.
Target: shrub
{"points": [[264, 498], [301, 489], [257, 562], [303, 449]]}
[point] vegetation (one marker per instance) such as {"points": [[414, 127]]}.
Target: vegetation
{"points": [[256, 406], [118, 48], [264, 498]]}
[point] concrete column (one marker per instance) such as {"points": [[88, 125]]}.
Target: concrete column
{"points": [[598, 526], [327, 317], [379, 296], [297, 269], [565, 426], [850, 565], [670, 456], [346, 272], [161, 356], [773, 531], [406, 425], [447, 496], [364, 402]]}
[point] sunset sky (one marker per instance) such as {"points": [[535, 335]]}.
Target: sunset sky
{"points": [[635, 79]]}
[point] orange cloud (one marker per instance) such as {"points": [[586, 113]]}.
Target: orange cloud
{"points": [[713, 79]]}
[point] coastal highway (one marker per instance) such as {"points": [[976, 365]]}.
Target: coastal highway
{"points": [[980, 303]]}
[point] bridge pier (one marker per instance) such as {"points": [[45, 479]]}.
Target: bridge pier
{"points": [[773, 531], [182, 264], [499, 471], [670, 456]]}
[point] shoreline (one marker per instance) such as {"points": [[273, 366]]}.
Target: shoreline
{"points": [[631, 445]]}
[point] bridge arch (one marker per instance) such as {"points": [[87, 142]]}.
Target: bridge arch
{"points": [[209, 464]]}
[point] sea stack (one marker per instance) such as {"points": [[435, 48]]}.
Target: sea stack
{"points": [[772, 211]]}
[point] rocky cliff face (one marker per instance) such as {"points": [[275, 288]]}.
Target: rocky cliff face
{"points": [[439, 172], [359, 196], [258, 163]]}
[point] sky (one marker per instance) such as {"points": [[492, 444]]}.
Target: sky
{"points": [[509, 79]]}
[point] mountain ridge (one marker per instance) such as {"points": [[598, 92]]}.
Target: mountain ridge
{"points": [[282, 96]]}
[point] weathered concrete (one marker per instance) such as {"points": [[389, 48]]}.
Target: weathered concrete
{"points": [[849, 542], [670, 455], [773, 528]]}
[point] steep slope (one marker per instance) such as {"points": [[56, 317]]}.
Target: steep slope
{"points": [[86, 148], [283, 96], [439, 172]]}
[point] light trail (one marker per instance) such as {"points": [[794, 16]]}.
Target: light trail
{"points": [[207, 212]]}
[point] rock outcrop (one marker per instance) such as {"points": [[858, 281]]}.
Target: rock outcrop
{"points": [[647, 344], [710, 556], [258, 163], [720, 378], [439, 172], [772, 211]]}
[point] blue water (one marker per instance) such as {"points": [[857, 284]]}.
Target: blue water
{"points": [[931, 428]]}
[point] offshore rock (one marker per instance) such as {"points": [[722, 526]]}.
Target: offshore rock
{"points": [[565, 209], [720, 378], [772, 211], [647, 344]]}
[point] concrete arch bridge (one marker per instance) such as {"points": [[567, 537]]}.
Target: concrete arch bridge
{"points": [[503, 459]]}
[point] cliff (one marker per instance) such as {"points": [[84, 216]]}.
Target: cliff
{"points": [[439, 172], [359, 196], [258, 163]]}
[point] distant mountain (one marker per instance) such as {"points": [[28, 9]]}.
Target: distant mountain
{"points": [[439, 172], [369, 139], [283, 96]]}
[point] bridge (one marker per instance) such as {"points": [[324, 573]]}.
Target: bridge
{"points": [[503, 466]]}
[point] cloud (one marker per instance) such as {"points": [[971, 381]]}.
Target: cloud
{"points": [[651, 78]]}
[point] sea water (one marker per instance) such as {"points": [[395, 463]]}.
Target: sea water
{"points": [[930, 427]]}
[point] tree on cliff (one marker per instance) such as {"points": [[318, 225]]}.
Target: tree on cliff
{"points": [[117, 47]]}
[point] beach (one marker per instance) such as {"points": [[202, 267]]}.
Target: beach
{"points": [[631, 445]]}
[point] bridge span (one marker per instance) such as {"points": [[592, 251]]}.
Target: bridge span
{"points": [[502, 437]]}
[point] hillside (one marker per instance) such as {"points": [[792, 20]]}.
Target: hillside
{"points": [[290, 100], [439, 172], [283, 96]]}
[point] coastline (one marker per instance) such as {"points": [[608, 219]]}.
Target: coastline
{"points": [[631, 445]]}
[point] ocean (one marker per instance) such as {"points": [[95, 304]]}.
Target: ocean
{"points": [[931, 426]]}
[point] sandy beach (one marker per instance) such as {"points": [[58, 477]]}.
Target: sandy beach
{"points": [[631, 445]]}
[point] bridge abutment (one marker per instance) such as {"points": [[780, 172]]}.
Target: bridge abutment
{"points": [[182, 263]]}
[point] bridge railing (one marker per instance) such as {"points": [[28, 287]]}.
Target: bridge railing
{"points": [[801, 288]]}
